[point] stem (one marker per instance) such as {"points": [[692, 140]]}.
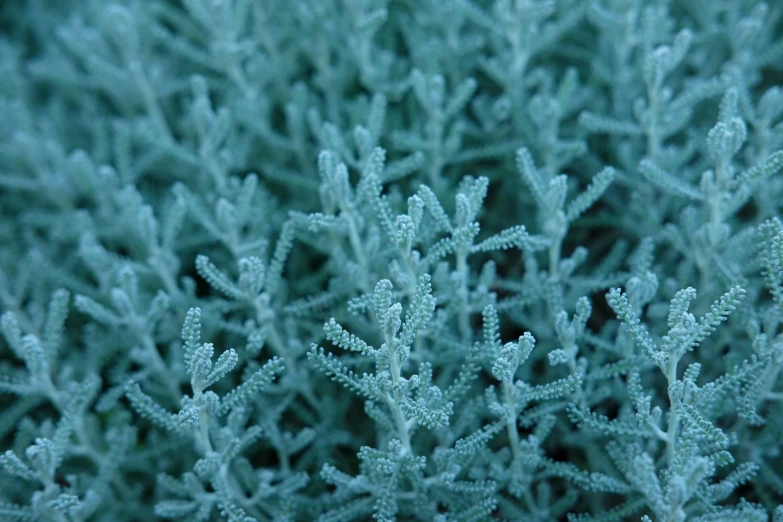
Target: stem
{"points": [[163, 270], [282, 456], [436, 164], [406, 257], [464, 317], [579, 392], [228, 483], [714, 200], [159, 366], [653, 143], [235, 73], [511, 427], [356, 244], [203, 421], [394, 401], [513, 437], [81, 437], [554, 257], [774, 396], [278, 347], [514, 89], [150, 100], [402, 425], [674, 416]]}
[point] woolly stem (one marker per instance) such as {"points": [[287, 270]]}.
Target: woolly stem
{"points": [[674, 415]]}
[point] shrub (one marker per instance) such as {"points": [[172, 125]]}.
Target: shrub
{"points": [[427, 260]]}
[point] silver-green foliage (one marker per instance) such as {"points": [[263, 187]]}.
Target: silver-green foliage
{"points": [[350, 260]]}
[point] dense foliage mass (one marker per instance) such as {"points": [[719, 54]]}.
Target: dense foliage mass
{"points": [[413, 260]]}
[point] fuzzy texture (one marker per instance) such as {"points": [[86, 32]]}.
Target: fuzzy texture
{"points": [[349, 260]]}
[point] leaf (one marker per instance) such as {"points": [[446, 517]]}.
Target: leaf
{"points": [[667, 182], [217, 279]]}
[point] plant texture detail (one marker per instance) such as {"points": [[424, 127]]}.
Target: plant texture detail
{"points": [[391, 260]]}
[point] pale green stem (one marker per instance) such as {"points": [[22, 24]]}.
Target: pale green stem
{"points": [[278, 347], [674, 415], [554, 257], [511, 424], [203, 421], [150, 99], [159, 366], [464, 317], [235, 491], [579, 392], [356, 244], [394, 401], [513, 437], [653, 141], [436, 163], [716, 211], [774, 396], [514, 89]]}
